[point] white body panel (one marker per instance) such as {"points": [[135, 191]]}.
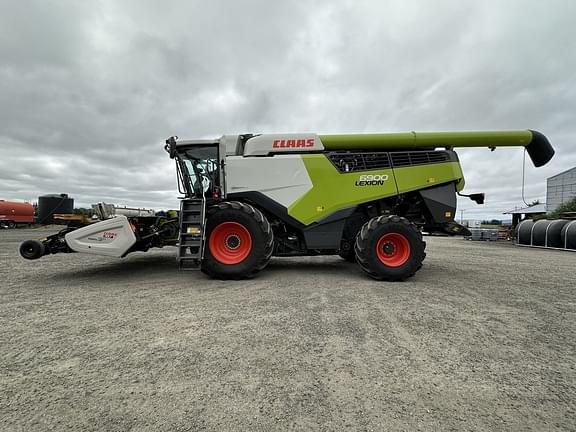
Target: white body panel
{"points": [[262, 145], [229, 142], [110, 237], [283, 178]]}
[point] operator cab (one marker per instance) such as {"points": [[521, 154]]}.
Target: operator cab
{"points": [[199, 165]]}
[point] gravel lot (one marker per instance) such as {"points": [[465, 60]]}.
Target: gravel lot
{"points": [[482, 338]]}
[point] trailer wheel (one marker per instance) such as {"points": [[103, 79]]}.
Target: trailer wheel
{"points": [[11, 224], [389, 248], [31, 249], [239, 241]]}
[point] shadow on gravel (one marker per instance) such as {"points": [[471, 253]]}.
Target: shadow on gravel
{"points": [[319, 267], [139, 267], [165, 266], [153, 266]]}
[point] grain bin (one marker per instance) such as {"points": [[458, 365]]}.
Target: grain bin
{"points": [[568, 235], [558, 234], [539, 230], [524, 231], [554, 233], [49, 205]]}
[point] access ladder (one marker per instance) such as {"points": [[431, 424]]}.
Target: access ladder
{"points": [[191, 238]]}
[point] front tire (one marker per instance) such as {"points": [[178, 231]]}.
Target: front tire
{"points": [[239, 241], [32, 249], [389, 248]]}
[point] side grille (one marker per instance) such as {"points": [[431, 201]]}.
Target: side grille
{"points": [[365, 161], [401, 159], [351, 162]]}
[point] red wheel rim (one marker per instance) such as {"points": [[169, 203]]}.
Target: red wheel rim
{"points": [[393, 249], [230, 243]]}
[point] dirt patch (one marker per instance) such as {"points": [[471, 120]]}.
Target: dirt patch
{"points": [[482, 338]]}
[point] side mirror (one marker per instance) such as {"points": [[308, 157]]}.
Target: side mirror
{"points": [[170, 146]]}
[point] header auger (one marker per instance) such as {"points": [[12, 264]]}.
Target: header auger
{"points": [[365, 197]]}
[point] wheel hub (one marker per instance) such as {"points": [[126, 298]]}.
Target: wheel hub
{"points": [[389, 248], [233, 241], [393, 249]]}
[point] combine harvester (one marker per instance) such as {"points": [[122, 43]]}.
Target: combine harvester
{"points": [[246, 198]]}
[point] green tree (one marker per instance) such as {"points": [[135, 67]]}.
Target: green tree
{"points": [[85, 211], [569, 206]]}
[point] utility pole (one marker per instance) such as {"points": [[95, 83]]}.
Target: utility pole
{"points": [[461, 217]]}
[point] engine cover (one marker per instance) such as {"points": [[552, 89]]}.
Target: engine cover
{"points": [[110, 237]]}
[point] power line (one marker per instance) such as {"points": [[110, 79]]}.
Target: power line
{"points": [[523, 169]]}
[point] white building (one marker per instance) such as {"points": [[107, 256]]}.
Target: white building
{"points": [[560, 189]]}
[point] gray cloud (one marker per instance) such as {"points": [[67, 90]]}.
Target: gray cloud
{"points": [[89, 90]]}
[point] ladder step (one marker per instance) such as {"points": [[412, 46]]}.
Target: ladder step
{"points": [[189, 248], [185, 250], [187, 218], [191, 228], [188, 243], [191, 221]]}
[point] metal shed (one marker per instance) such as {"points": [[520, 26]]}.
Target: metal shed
{"points": [[560, 188]]}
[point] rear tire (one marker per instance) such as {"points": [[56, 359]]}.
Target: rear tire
{"points": [[239, 241], [389, 248], [11, 224]]}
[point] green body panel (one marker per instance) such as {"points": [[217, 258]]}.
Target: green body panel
{"points": [[418, 140], [334, 191], [409, 179]]}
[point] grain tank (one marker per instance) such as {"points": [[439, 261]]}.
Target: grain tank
{"points": [[49, 205]]}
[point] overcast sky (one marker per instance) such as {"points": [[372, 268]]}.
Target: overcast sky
{"points": [[89, 90]]}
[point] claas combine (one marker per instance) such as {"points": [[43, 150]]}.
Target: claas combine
{"points": [[246, 198]]}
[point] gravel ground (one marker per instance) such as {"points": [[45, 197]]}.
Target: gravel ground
{"points": [[482, 338]]}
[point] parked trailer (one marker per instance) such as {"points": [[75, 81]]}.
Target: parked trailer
{"points": [[14, 213]]}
